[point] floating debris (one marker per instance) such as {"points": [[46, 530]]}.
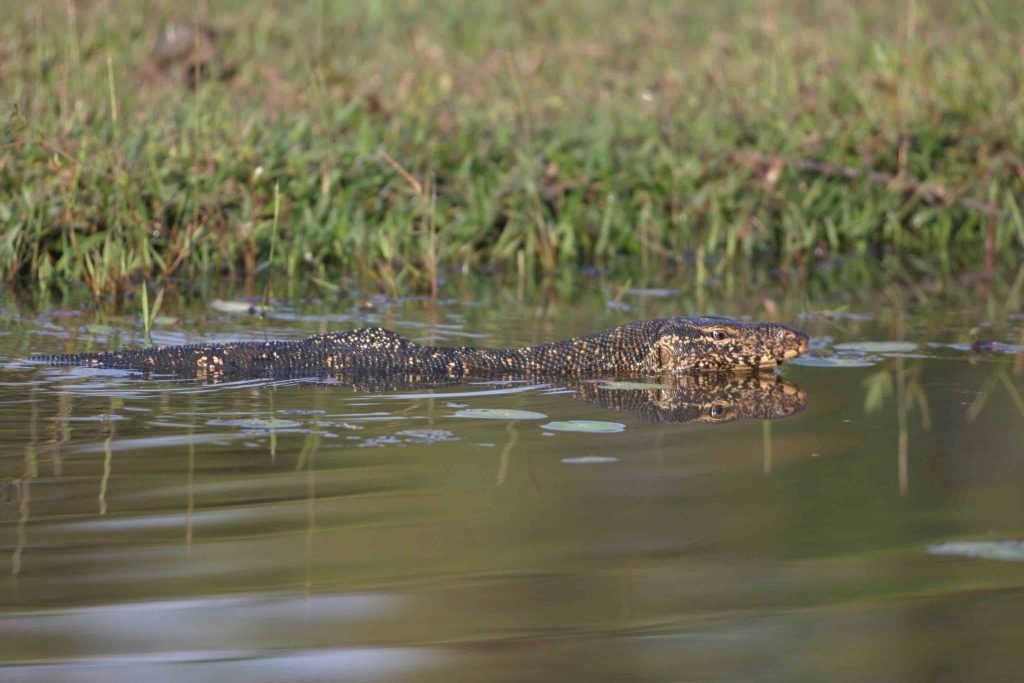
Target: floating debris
{"points": [[596, 426], [1006, 551], [832, 362], [408, 437], [426, 435], [877, 346], [102, 417], [653, 292], [267, 423], [239, 307], [500, 414], [630, 386], [982, 346]]}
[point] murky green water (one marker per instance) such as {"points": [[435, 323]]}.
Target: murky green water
{"points": [[175, 530]]}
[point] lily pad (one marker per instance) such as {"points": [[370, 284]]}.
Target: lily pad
{"points": [[596, 426], [256, 423], [1007, 551], [831, 362], [500, 414], [630, 386], [877, 346], [238, 307], [589, 460]]}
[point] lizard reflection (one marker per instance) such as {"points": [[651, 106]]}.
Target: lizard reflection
{"points": [[710, 398]]}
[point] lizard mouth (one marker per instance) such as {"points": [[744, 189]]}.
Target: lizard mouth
{"points": [[796, 343]]}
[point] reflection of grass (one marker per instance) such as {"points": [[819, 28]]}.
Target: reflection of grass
{"points": [[978, 405], [909, 395], [387, 141]]}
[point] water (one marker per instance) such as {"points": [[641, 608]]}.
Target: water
{"points": [[294, 531]]}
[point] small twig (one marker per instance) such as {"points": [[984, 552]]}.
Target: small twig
{"points": [[409, 177]]}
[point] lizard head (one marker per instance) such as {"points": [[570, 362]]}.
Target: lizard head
{"points": [[712, 343], [763, 396]]}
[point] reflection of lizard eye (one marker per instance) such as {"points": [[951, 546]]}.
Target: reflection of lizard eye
{"points": [[719, 335], [717, 411]]}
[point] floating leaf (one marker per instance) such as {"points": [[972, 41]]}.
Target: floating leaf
{"points": [[654, 292], [630, 386], [589, 460], [832, 362], [238, 307], [500, 414], [584, 426], [877, 346], [99, 328], [256, 423], [426, 435], [1007, 551]]}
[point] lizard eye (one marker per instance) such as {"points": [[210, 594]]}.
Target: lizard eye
{"points": [[719, 335], [716, 411]]}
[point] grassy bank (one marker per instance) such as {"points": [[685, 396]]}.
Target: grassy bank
{"points": [[383, 141]]}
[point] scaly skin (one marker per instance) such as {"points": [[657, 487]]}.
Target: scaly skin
{"points": [[666, 345]]}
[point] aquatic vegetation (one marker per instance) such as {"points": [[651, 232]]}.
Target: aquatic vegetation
{"points": [[584, 426]]}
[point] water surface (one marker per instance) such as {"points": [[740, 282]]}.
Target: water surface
{"points": [[298, 530]]}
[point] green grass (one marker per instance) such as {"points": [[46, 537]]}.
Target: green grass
{"points": [[377, 143]]}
